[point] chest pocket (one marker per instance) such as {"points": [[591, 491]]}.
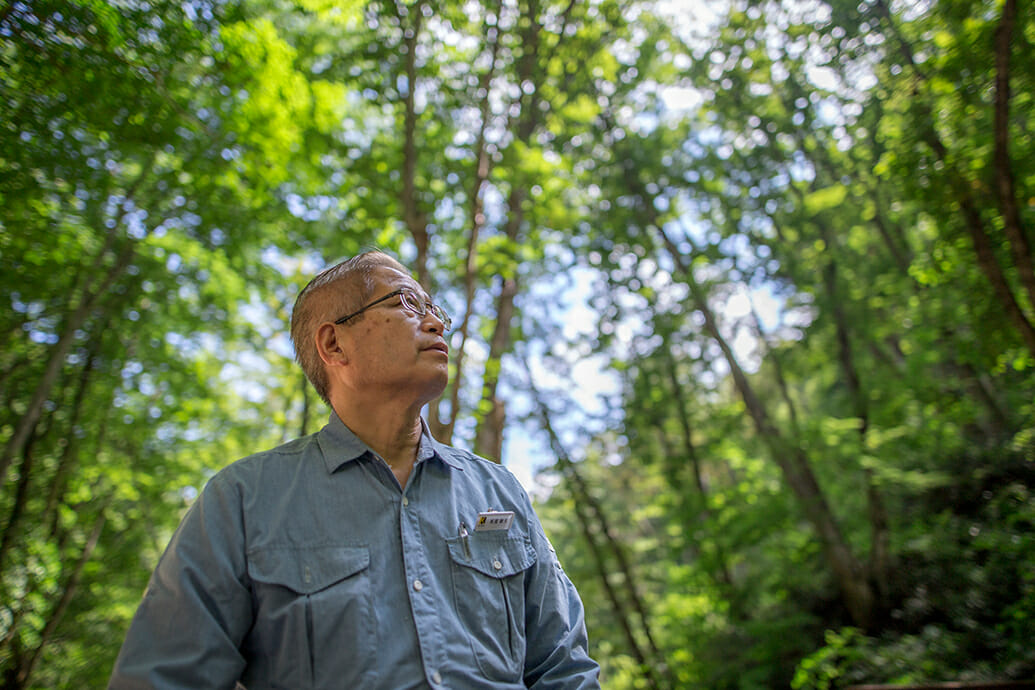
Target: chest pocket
{"points": [[314, 624], [489, 595]]}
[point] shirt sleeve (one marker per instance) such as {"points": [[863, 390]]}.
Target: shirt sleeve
{"points": [[197, 609], [557, 653]]}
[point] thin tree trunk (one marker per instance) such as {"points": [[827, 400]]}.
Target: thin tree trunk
{"points": [[771, 355], [599, 561], [70, 453], [902, 261], [68, 593], [76, 317], [884, 14], [489, 431], [856, 592], [413, 216], [962, 185], [690, 450], [584, 501], [682, 409], [990, 266], [1004, 178], [21, 496], [58, 353], [443, 430], [880, 561]]}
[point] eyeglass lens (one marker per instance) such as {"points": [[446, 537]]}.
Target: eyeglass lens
{"points": [[416, 304]]}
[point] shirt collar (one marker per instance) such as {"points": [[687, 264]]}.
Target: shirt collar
{"points": [[341, 446], [431, 448]]}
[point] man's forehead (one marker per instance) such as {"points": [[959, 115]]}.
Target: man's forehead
{"points": [[394, 278]]}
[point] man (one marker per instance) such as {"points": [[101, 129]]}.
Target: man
{"points": [[367, 555]]}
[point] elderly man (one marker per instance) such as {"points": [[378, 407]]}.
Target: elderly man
{"points": [[367, 555]]}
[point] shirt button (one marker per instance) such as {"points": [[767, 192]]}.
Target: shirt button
{"points": [[417, 585], [436, 677], [496, 564], [406, 501]]}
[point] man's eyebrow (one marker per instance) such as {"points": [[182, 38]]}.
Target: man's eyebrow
{"points": [[420, 292]]}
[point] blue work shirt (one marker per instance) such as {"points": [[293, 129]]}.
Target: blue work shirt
{"points": [[309, 566]]}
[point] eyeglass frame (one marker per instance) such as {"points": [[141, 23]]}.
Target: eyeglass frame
{"points": [[422, 307]]}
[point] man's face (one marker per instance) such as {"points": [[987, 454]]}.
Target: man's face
{"points": [[394, 350]]}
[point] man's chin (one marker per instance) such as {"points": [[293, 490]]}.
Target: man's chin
{"points": [[436, 386]]}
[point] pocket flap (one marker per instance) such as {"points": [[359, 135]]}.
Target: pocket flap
{"points": [[307, 569], [493, 554]]}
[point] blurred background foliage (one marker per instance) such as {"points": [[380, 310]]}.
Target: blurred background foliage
{"points": [[748, 285]]}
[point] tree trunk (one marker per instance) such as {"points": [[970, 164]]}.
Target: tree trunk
{"points": [[690, 451], [880, 560], [902, 261], [962, 185], [856, 592], [21, 497], [1004, 178], [990, 266], [771, 355], [413, 216], [76, 318], [489, 432], [69, 591], [588, 510], [70, 453], [443, 430]]}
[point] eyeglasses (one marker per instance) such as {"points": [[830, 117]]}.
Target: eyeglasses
{"points": [[409, 300]]}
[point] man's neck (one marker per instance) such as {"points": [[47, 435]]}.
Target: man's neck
{"points": [[389, 430]]}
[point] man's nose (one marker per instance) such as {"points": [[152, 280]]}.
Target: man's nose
{"points": [[433, 323]]}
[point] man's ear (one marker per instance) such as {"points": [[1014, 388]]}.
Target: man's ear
{"points": [[330, 347]]}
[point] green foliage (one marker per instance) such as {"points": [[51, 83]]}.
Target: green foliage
{"points": [[141, 203], [968, 590], [823, 168], [171, 175]]}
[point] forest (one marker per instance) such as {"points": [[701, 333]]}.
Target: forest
{"points": [[743, 291]]}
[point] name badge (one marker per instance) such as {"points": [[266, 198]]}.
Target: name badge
{"points": [[494, 520]]}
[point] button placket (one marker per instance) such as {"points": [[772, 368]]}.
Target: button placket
{"points": [[420, 578]]}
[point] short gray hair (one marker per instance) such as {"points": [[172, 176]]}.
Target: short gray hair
{"points": [[318, 302]]}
